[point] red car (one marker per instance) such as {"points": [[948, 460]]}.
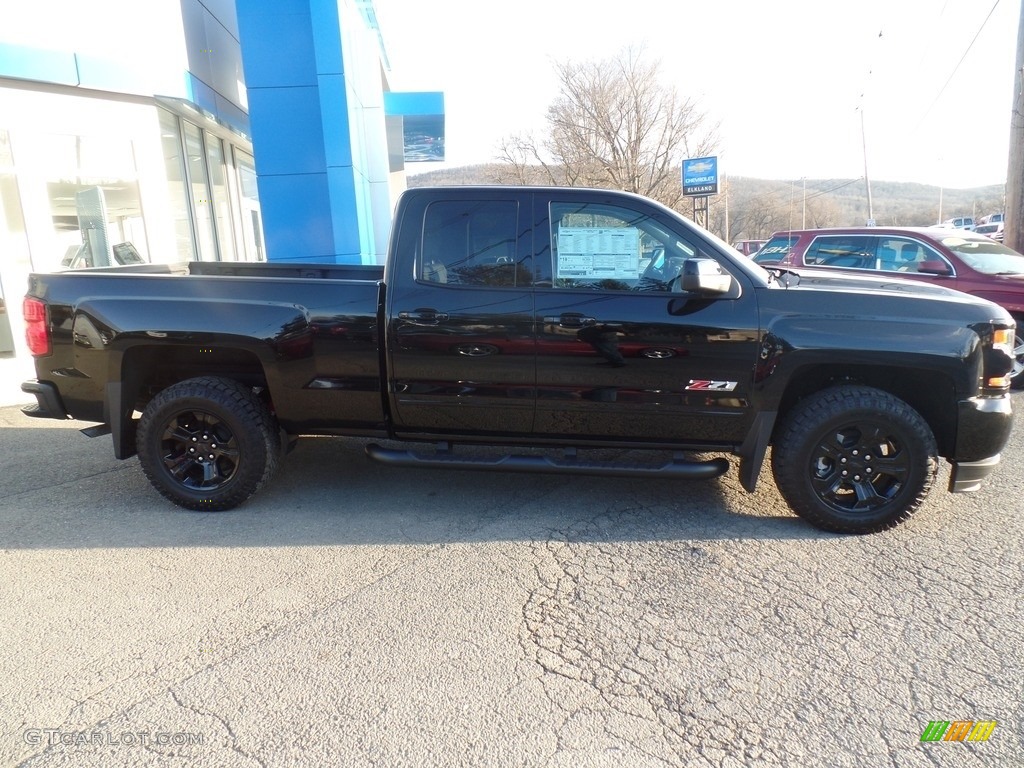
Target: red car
{"points": [[748, 247], [954, 258]]}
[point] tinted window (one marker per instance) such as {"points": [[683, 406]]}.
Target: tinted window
{"points": [[775, 250], [600, 246], [471, 243], [857, 251], [898, 254]]}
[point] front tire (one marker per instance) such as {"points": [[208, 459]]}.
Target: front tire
{"points": [[1017, 372], [208, 443], [854, 459]]}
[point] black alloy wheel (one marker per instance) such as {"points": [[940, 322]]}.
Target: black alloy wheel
{"points": [[208, 443], [854, 459]]}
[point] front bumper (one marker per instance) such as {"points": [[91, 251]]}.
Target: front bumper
{"points": [[983, 429], [970, 475]]}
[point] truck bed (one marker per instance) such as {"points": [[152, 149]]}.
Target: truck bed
{"points": [[372, 272]]}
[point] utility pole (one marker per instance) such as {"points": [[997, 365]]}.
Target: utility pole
{"points": [[867, 181], [1013, 226]]}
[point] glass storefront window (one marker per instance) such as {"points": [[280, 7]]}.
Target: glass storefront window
{"points": [[252, 222], [92, 196], [91, 219], [14, 256], [221, 201], [202, 205], [174, 169]]}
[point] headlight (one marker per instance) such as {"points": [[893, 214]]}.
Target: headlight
{"points": [[1002, 339]]}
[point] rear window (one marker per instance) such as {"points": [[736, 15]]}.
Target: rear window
{"points": [[775, 250], [471, 243]]}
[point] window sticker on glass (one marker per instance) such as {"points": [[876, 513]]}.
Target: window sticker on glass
{"points": [[598, 253]]}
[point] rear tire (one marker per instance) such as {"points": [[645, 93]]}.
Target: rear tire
{"points": [[208, 443], [854, 459]]}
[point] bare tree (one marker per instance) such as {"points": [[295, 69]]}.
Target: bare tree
{"points": [[821, 212], [758, 216], [614, 125]]}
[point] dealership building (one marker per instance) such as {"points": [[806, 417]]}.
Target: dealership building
{"points": [[174, 130]]}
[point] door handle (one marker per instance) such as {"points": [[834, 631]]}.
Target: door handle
{"points": [[424, 316]]}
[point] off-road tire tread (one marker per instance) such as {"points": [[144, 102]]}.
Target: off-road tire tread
{"points": [[256, 426], [808, 418]]}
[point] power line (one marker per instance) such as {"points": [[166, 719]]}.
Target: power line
{"points": [[821, 192], [957, 67]]}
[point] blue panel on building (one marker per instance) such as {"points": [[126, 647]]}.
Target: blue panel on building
{"points": [[327, 37], [277, 44], [409, 103], [286, 130], [20, 62], [298, 109], [296, 217], [110, 75], [334, 106], [344, 214]]}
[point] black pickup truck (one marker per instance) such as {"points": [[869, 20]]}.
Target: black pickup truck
{"points": [[546, 323]]}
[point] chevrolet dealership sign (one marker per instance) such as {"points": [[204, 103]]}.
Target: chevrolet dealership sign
{"points": [[700, 176]]}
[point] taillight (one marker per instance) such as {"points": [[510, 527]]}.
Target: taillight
{"points": [[37, 329]]}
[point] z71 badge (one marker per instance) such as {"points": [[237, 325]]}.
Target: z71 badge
{"points": [[717, 386]]}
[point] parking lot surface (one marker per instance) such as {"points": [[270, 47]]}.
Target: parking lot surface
{"points": [[360, 615]]}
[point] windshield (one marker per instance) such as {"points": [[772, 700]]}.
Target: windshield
{"points": [[775, 250], [986, 256]]}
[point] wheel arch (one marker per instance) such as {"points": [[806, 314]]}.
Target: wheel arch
{"points": [[148, 369], [928, 392]]}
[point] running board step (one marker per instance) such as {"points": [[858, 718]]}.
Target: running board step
{"points": [[677, 468]]}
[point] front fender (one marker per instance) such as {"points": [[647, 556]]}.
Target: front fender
{"points": [[792, 343]]}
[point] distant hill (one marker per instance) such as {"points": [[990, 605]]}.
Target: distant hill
{"points": [[893, 203], [757, 207]]}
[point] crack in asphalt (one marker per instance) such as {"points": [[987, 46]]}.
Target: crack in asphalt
{"points": [[630, 643]]}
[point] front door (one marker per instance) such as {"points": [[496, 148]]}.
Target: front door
{"points": [[623, 352]]}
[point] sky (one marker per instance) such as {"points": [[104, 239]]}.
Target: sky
{"points": [[911, 90]]}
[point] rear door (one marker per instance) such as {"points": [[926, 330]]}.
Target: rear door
{"points": [[460, 311], [842, 251]]}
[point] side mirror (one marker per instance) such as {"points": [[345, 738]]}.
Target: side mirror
{"points": [[704, 276], [935, 267]]}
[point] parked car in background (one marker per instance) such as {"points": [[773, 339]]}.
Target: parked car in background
{"points": [[954, 258], [960, 222], [748, 247], [992, 218], [995, 230]]}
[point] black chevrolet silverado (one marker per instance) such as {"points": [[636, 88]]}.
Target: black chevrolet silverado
{"points": [[545, 322]]}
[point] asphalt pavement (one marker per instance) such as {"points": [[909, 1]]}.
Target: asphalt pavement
{"points": [[361, 615]]}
